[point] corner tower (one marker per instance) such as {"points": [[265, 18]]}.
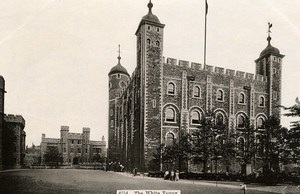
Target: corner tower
{"points": [[149, 67], [269, 64], [118, 80]]}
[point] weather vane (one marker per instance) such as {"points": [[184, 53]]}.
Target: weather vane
{"points": [[269, 28]]}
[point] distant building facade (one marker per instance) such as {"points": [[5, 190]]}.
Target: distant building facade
{"points": [[32, 155], [75, 147], [162, 97]]}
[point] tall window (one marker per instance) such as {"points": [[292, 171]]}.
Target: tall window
{"points": [[242, 98], [219, 119], [169, 139], [220, 95], [195, 117], [171, 88], [196, 92], [261, 101], [157, 43], [241, 122], [148, 41], [170, 115], [260, 123], [241, 146]]}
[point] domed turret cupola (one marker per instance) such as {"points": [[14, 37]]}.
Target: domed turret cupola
{"points": [[118, 68], [269, 50], [150, 17]]}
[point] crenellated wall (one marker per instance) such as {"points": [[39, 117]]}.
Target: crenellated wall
{"points": [[216, 70]]}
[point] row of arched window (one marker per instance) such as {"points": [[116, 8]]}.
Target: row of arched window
{"points": [[195, 118], [171, 90], [157, 43]]}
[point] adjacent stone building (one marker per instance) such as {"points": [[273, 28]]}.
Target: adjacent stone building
{"points": [[12, 136], [162, 97], [75, 147]]}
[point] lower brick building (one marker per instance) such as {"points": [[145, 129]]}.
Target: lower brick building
{"points": [[75, 147]]}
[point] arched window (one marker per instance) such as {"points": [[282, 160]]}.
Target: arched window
{"points": [[241, 122], [196, 92], [242, 98], [171, 88], [148, 41], [241, 146], [261, 101], [260, 123], [220, 95], [219, 119], [195, 117], [170, 115], [157, 43], [170, 139]]}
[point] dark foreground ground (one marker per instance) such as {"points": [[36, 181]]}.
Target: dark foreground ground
{"points": [[95, 181]]}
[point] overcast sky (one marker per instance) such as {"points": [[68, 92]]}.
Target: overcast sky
{"points": [[55, 54]]}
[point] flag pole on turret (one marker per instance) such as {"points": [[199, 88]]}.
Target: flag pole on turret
{"points": [[206, 11]]}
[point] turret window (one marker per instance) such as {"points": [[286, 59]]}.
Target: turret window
{"points": [[157, 29], [157, 43], [196, 92], [261, 101], [171, 88], [241, 98], [148, 41], [220, 95], [149, 27]]}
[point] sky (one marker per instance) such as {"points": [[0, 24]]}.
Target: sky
{"points": [[55, 55]]}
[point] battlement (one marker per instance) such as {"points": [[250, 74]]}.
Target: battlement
{"points": [[86, 129], [74, 135], [51, 140], [215, 70], [14, 119], [64, 128]]}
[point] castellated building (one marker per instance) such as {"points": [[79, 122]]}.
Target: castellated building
{"points": [[164, 96], [75, 147]]}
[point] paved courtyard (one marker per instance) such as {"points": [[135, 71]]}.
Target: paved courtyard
{"points": [[95, 181]]}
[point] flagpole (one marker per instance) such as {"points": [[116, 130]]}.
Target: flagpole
{"points": [[206, 9]]}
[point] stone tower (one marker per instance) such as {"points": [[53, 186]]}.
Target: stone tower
{"points": [[118, 80], [269, 64], [86, 144], [2, 91], [149, 63]]}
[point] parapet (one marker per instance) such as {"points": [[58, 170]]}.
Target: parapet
{"points": [[86, 129], [18, 119], [217, 70], [64, 128]]}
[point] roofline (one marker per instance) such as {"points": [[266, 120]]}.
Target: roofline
{"points": [[143, 21], [269, 53]]}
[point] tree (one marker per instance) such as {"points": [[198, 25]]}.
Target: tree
{"points": [[98, 158], [178, 152], [202, 142], [271, 140], [52, 156]]}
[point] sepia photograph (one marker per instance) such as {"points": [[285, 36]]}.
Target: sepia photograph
{"points": [[149, 96]]}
